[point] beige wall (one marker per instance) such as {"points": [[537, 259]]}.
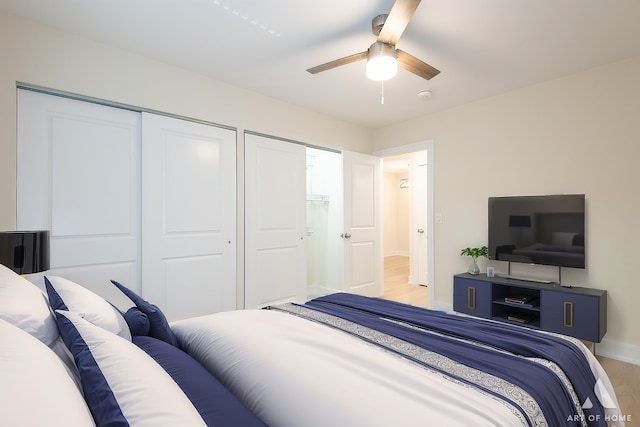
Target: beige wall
{"points": [[579, 134], [42, 56], [396, 215]]}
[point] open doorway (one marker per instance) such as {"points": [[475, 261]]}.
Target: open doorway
{"points": [[408, 224], [324, 216]]}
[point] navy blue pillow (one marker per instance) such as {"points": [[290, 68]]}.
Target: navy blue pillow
{"points": [[122, 385], [138, 321], [100, 399], [158, 325], [215, 403]]}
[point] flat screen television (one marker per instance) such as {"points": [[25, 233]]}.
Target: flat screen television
{"points": [[548, 230]]}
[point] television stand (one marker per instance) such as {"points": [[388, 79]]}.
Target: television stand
{"points": [[577, 312]]}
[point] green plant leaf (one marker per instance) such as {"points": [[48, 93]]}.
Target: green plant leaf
{"points": [[475, 252]]}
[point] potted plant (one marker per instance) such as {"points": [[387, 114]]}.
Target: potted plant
{"points": [[475, 253]]}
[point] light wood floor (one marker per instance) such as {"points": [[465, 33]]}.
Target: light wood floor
{"points": [[396, 283], [625, 377]]}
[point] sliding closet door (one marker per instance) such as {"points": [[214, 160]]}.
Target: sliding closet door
{"points": [[363, 264], [188, 216], [275, 221], [78, 176]]}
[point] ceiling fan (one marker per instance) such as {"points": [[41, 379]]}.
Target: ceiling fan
{"points": [[382, 56]]}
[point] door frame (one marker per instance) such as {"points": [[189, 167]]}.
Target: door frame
{"points": [[427, 145]]}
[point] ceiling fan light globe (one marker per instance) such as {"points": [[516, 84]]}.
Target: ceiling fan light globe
{"points": [[382, 62], [382, 68]]}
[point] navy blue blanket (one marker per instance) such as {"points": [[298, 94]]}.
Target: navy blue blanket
{"points": [[538, 380]]}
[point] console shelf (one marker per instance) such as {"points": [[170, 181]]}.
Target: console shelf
{"points": [[577, 312]]}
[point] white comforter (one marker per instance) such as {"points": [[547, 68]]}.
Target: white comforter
{"points": [[293, 372]]}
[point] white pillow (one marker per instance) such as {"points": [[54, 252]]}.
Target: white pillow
{"points": [[24, 305], [561, 238], [67, 295], [122, 383], [35, 389], [6, 271]]}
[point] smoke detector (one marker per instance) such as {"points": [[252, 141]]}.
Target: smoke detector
{"points": [[424, 94]]}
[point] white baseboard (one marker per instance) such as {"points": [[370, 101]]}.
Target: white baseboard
{"points": [[620, 351], [314, 291], [441, 306], [396, 253]]}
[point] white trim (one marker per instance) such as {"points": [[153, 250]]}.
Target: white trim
{"points": [[620, 351], [396, 253], [119, 105], [427, 145], [314, 291], [446, 307], [405, 149]]}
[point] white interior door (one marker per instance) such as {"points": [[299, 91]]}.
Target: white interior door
{"points": [[78, 176], [275, 221], [188, 216], [419, 226], [363, 262]]}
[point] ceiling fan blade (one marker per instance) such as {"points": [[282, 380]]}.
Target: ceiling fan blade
{"points": [[338, 62], [397, 21], [416, 66]]}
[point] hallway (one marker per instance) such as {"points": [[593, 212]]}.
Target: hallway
{"points": [[396, 285]]}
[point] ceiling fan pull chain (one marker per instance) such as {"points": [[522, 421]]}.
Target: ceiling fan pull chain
{"points": [[382, 92]]}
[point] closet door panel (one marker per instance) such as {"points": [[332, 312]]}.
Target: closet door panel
{"points": [[78, 166], [188, 216], [192, 178], [92, 164], [275, 221]]}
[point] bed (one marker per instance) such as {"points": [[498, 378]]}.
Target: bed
{"points": [[341, 359]]}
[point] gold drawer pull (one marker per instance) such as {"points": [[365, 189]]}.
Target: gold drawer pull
{"points": [[568, 314], [471, 298]]}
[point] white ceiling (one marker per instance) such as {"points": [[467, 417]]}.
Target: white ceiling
{"points": [[482, 48]]}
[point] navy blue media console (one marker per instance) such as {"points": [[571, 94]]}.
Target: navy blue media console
{"points": [[577, 312]]}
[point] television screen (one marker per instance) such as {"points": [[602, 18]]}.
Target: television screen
{"points": [[546, 230]]}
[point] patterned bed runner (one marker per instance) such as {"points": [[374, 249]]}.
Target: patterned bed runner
{"points": [[471, 353]]}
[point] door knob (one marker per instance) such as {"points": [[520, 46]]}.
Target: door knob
{"points": [[345, 235], [420, 230]]}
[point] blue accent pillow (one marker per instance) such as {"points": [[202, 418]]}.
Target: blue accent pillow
{"points": [[138, 321], [122, 385], [158, 325], [215, 403]]}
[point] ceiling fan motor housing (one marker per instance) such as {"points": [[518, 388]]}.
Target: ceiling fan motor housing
{"points": [[382, 49], [377, 23]]}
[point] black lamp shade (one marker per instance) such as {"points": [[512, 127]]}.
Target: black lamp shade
{"points": [[25, 252]]}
